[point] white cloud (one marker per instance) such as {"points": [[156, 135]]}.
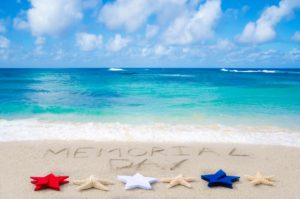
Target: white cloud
{"points": [[151, 31], [4, 48], [20, 22], [90, 3], [263, 29], [88, 42], [59, 54], [194, 26], [39, 45], [132, 14], [223, 44], [296, 36], [145, 51], [4, 42], [117, 43], [156, 51], [160, 50], [53, 16], [2, 27], [40, 41], [294, 54]]}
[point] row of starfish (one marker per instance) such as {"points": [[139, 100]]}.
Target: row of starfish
{"points": [[139, 181]]}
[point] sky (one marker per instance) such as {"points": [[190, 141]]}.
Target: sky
{"points": [[150, 33]]}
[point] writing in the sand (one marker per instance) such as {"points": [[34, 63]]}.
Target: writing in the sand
{"points": [[135, 157]]}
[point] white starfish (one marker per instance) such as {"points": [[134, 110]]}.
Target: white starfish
{"points": [[92, 182], [179, 180], [137, 181], [260, 179]]}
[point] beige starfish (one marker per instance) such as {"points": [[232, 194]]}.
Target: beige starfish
{"points": [[92, 182], [259, 179], [178, 180]]}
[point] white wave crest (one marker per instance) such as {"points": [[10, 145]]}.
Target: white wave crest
{"points": [[175, 75], [248, 71], [35, 129], [115, 69]]}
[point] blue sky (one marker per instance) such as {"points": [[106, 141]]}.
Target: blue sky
{"points": [[150, 33]]}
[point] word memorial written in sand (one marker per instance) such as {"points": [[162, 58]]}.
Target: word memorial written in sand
{"points": [[117, 158]]}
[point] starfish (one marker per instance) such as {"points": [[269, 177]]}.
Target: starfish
{"points": [[179, 180], [137, 181], [260, 179], [220, 179], [92, 182], [49, 181]]}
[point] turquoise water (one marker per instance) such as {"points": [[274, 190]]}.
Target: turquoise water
{"points": [[189, 96]]}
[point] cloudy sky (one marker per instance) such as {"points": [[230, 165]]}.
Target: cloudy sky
{"points": [[150, 33]]}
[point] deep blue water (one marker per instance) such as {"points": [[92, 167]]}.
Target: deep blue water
{"points": [[246, 96]]}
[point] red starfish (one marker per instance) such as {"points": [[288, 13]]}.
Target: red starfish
{"points": [[50, 181]]}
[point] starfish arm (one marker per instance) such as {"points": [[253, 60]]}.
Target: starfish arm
{"points": [[123, 178], [226, 181], [233, 178], [220, 183], [166, 180], [38, 187], [190, 179], [185, 183], [270, 178], [39, 180], [151, 180], [173, 183], [62, 179], [100, 186], [137, 185], [146, 186], [219, 174], [267, 182], [78, 182], [85, 186], [105, 182], [256, 182], [207, 177], [250, 177]]}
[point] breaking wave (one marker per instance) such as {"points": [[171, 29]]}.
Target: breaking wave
{"points": [[175, 75], [248, 71], [35, 129], [116, 69]]}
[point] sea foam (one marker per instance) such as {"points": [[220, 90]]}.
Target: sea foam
{"points": [[116, 69], [176, 75], [247, 71], [35, 129]]}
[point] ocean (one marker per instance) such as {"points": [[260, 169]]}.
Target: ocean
{"points": [[224, 105]]}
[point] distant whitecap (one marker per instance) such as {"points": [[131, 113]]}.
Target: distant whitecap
{"points": [[175, 75], [116, 69], [248, 71]]}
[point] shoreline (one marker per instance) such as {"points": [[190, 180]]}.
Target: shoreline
{"points": [[32, 129], [80, 158]]}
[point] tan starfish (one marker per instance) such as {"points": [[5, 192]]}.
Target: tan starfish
{"points": [[92, 182], [178, 180], [260, 179]]}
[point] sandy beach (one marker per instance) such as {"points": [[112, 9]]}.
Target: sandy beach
{"points": [[80, 159]]}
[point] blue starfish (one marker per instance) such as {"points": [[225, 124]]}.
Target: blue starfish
{"points": [[220, 179]]}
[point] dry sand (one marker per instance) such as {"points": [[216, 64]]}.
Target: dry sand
{"points": [[79, 159]]}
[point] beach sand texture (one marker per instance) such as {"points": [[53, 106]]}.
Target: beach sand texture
{"points": [[80, 159]]}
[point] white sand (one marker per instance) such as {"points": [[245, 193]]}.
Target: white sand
{"points": [[79, 159]]}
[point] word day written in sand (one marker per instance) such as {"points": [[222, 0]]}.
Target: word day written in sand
{"points": [[165, 158]]}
